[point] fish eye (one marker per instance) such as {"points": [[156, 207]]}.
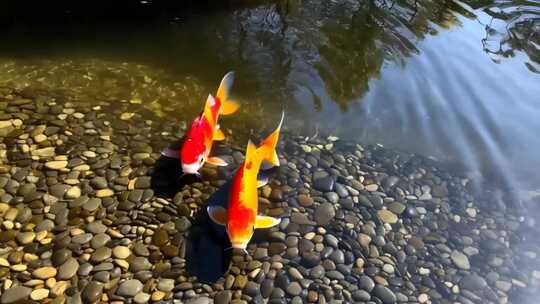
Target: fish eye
{"points": [[201, 160]]}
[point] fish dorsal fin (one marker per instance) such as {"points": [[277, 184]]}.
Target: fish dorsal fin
{"points": [[217, 214], [223, 93], [263, 221]]}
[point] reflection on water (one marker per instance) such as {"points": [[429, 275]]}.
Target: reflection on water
{"points": [[514, 29], [456, 80]]}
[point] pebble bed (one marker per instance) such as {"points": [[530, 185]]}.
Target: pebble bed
{"points": [[81, 220]]}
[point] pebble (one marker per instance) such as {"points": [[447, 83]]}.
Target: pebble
{"points": [[460, 260], [44, 273], [324, 214], [56, 164], [139, 264], [68, 269], [121, 252], [39, 294], [294, 289], [92, 292], [473, 282], [384, 294], [104, 193], [15, 294], [423, 298], [324, 184], [129, 288], [166, 285], [141, 298], [366, 283], [387, 216], [25, 237], [73, 192]]}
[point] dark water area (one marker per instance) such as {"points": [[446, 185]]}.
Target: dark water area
{"points": [[453, 80]]}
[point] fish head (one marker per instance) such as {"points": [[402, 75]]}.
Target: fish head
{"points": [[240, 226], [193, 154], [240, 239]]}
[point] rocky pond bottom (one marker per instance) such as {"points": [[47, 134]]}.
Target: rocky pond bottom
{"points": [[89, 212]]}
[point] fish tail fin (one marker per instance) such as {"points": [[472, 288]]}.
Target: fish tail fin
{"points": [[268, 146], [223, 93]]}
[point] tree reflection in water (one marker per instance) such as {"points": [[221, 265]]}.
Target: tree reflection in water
{"points": [[340, 45], [514, 28]]}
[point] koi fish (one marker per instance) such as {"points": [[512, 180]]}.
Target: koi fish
{"points": [[240, 218], [204, 130]]}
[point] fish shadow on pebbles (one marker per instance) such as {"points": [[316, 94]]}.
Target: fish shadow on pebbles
{"points": [[208, 249], [167, 177]]}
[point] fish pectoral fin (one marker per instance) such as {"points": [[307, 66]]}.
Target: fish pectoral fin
{"points": [[218, 134], [228, 107], [275, 159], [172, 153], [217, 214], [263, 221], [262, 179], [216, 161]]}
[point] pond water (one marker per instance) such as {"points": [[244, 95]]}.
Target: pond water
{"points": [[455, 80], [110, 85]]}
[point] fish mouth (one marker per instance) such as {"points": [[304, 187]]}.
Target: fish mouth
{"points": [[239, 245], [190, 168]]}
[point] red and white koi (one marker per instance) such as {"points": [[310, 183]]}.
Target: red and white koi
{"points": [[204, 130]]}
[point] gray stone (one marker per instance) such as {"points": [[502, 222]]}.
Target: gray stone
{"points": [[473, 282], [99, 240], [68, 269], [101, 254], [165, 285], [324, 213], [361, 295], [129, 288], [199, 300], [384, 294], [92, 292], [141, 298], [92, 204], [96, 227], [82, 238], [223, 297], [99, 182], [140, 263], [460, 260], [294, 289], [15, 294], [332, 197], [60, 256], [366, 283], [324, 184]]}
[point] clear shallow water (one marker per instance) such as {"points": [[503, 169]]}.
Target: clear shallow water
{"points": [[455, 80]]}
